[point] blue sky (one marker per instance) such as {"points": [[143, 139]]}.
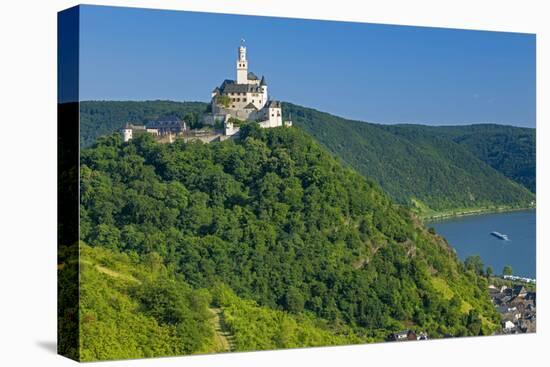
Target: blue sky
{"points": [[370, 72]]}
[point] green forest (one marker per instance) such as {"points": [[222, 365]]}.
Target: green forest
{"points": [[430, 169], [433, 168], [508, 149], [263, 242]]}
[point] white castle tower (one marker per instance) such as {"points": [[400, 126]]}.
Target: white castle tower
{"points": [[127, 133], [242, 65]]}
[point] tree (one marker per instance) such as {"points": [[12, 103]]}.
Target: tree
{"points": [[107, 236], [507, 270], [294, 300], [474, 322], [223, 100], [236, 121], [489, 271], [474, 263]]}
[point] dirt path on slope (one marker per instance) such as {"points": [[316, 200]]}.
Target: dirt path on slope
{"points": [[225, 338]]}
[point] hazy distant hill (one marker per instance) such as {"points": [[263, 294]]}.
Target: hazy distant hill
{"points": [[436, 168]]}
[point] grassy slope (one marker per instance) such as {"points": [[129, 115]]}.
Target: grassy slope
{"points": [[114, 326]]}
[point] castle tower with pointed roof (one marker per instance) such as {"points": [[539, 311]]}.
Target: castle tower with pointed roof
{"points": [[242, 65]]}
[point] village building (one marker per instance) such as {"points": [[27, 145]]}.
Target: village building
{"points": [[508, 325], [517, 308], [164, 126], [405, 335], [168, 125], [519, 291]]}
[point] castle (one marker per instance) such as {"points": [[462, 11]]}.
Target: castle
{"points": [[244, 99], [233, 102]]}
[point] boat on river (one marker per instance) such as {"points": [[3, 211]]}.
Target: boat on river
{"points": [[500, 236]]}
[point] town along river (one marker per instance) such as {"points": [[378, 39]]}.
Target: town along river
{"points": [[471, 235]]}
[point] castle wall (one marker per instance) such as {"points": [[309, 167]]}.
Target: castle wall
{"points": [[264, 96], [275, 117], [211, 118], [240, 100], [257, 99], [205, 138], [231, 129], [239, 114], [127, 134]]}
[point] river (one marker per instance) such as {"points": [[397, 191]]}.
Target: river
{"points": [[470, 235]]}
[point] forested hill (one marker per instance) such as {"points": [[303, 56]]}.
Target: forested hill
{"points": [[509, 149], [271, 232], [434, 168]]}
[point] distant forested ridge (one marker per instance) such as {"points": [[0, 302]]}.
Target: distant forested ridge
{"points": [[271, 235], [429, 168], [435, 168], [508, 149]]}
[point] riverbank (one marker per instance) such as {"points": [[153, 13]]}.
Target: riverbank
{"points": [[456, 213]]}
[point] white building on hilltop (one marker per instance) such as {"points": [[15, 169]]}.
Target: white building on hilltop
{"points": [[244, 99]]}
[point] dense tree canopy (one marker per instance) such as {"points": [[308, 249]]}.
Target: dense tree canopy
{"points": [[283, 226], [509, 149]]}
